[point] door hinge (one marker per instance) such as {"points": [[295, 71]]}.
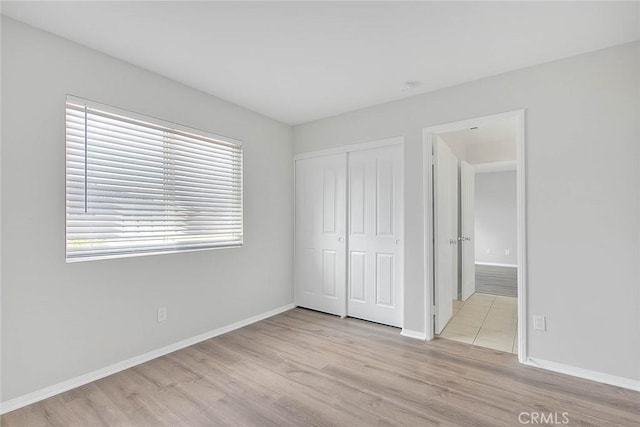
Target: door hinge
{"points": [[434, 309]]}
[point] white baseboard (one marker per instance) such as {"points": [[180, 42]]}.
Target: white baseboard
{"points": [[63, 386], [584, 373], [496, 264], [413, 334]]}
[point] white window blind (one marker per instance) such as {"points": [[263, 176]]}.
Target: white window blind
{"points": [[139, 185]]}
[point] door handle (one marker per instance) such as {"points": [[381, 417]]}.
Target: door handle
{"points": [[397, 241], [467, 239], [340, 239], [453, 241]]}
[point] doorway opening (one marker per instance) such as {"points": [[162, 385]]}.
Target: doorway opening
{"points": [[475, 245]]}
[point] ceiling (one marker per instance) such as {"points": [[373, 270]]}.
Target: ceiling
{"points": [[499, 131], [485, 144], [301, 61]]}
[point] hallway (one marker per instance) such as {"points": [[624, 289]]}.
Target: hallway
{"points": [[485, 320]]}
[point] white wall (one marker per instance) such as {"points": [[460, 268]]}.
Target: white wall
{"points": [[583, 162], [61, 320], [496, 218]]}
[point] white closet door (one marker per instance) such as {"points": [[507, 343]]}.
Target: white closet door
{"points": [[375, 281], [446, 232], [320, 253], [467, 213]]}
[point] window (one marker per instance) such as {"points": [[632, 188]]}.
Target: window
{"points": [[138, 185]]}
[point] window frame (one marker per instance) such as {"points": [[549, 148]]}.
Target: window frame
{"points": [[152, 120]]}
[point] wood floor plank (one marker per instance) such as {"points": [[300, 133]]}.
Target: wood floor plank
{"points": [[94, 408], [308, 368], [497, 280]]}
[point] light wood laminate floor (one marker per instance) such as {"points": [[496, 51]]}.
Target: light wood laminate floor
{"points": [[307, 368], [497, 280]]}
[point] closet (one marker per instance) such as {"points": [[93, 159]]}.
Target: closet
{"points": [[349, 232]]}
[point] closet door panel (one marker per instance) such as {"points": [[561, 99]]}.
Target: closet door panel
{"points": [[320, 243], [375, 235]]}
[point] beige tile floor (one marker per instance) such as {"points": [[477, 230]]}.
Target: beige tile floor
{"points": [[485, 320]]}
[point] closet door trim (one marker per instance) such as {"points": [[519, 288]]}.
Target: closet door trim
{"points": [[350, 147]]}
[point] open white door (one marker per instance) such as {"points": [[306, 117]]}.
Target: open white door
{"points": [[320, 253], [375, 235], [467, 214], [445, 231]]}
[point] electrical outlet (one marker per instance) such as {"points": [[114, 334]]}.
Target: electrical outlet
{"points": [[507, 251], [539, 323], [489, 251], [162, 314]]}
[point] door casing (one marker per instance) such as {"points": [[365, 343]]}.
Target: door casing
{"points": [[428, 139]]}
